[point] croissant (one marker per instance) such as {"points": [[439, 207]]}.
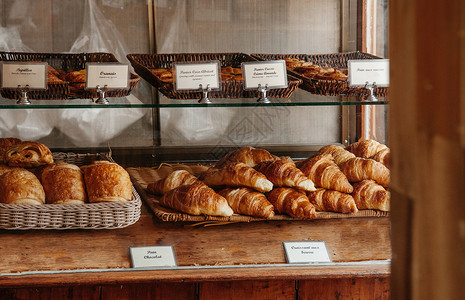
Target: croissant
{"points": [[237, 174], [324, 172], [285, 173], [383, 156], [196, 199], [248, 155], [21, 187], [5, 144], [329, 200], [370, 195], [248, 202], [289, 201], [173, 180], [358, 169], [366, 148], [339, 154], [28, 154]]}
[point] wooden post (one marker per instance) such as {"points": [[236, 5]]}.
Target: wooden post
{"points": [[427, 104]]}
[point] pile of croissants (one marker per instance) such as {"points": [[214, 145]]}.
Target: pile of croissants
{"points": [[30, 176], [252, 181]]}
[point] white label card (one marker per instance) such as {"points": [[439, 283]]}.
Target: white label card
{"points": [[189, 76], [154, 256], [369, 70], [111, 75], [271, 73], [33, 75], [306, 252]]}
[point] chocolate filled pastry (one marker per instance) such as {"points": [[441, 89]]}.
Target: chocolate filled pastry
{"points": [[5, 144], [107, 182], [63, 184], [21, 187], [28, 154]]}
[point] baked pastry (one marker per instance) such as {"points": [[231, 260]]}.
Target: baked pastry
{"points": [[63, 184], [249, 155], [28, 154], [248, 202], [107, 182], [329, 200], [324, 172], [5, 168], [196, 199], [21, 187], [236, 174], [383, 156], [370, 195], [366, 148], [285, 173], [358, 169], [5, 144], [340, 155], [291, 202], [173, 180]]}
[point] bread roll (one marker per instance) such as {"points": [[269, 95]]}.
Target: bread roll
{"points": [[63, 184], [107, 182], [21, 187]]}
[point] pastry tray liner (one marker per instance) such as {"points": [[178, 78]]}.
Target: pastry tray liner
{"points": [[142, 176], [73, 216]]}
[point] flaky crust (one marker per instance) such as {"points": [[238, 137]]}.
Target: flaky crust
{"points": [[249, 155], [107, 182], [358, 169], [366, 148], [291, 202], [196, 199], [383, 156], [330, 200], [63, 184], [172, 181], [28, 154], [340, 155], [284, 173], [21, 187], [247, 201], [5, 144], [324, 172], [370, 195], [236, 174]]}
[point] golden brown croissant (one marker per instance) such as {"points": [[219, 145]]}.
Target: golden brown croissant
{"points": [[339, 154], [63, 184], [21, 187], [107, 182], [289, 201], [28, 154], [196, 199], [366, 148], [329, 200], [324, 172], [237, 174], [248, 202], [358, 169], [173, 180], [285, 173], [370, 195], [383, 157], [249, 155], [5, 144]]}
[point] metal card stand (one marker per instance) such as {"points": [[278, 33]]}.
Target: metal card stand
{"points": [[101, 98], [23, 98], [205, 92], [371, 88], [263, 90]]}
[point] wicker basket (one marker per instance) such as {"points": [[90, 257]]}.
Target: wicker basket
{"points": [[144, 63], [328, 87], [67, 62], [72, 216]]}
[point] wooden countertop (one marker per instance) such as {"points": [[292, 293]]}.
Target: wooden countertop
{"points": [[358, 247]]}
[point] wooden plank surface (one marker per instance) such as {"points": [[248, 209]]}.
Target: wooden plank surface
{"points": [[251, 290]]}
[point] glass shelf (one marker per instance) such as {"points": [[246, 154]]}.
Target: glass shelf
{"points": [[299, 98]]}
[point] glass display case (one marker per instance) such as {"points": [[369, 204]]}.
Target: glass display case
{"points": [[146, 129]]}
